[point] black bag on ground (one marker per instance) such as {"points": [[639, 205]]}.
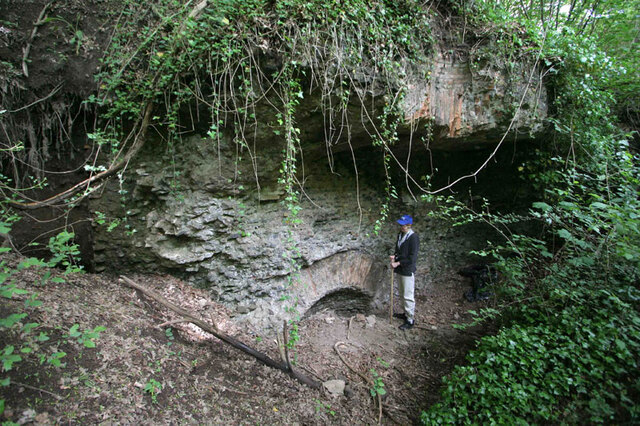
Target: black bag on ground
{"points": [[482, 276]]}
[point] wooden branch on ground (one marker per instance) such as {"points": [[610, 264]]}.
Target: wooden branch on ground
{"points": [[280, 346], [56, 396], [349, 327], [168, 323], [199, 7], [225, 338], [365, 378]]}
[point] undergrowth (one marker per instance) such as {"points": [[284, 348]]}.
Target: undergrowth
{"points": [[567, 303]]}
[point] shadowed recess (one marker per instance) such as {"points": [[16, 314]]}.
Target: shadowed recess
{"points": [[346, 301]]}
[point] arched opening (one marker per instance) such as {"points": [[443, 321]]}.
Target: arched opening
{"points": [[346, 301]]}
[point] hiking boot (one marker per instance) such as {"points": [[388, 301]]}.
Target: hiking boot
{"points": [[407, 325], [402, 316]]}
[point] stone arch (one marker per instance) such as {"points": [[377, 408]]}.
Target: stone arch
{"points": [[347, 282]]}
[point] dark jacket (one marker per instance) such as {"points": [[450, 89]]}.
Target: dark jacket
{"points": [[407, 255]]}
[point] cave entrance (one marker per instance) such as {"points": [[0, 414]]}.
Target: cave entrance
{"points": [[345, 302]]}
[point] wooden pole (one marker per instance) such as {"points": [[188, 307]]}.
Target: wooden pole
{"points": [[391, 300]]}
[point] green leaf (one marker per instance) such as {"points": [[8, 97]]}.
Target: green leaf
{"points": [[29, 326], [542, 206], [598, 205], [32, 261], [9, 359], [89, 344], [54, 359], [73, 331], [11, 289], [563, 233], [32, 303], [11, 320]]}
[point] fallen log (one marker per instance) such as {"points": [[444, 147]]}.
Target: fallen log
{"points": [[224, 337]]}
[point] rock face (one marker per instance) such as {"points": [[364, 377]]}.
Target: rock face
{"points": [[243, 247], [473, 105], [218, 218]]}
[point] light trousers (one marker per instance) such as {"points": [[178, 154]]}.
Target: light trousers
{"points": [[406, 287]]}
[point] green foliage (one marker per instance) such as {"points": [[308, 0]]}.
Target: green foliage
{"points": [[65, 252], [568, 371], [568, 348], [153, 388], [8, 357], [321, 407], [173, 55], [378, 385], [570, 340], [169, 333], [610, 27], [567, 303], [28, 338], [86, 337]]}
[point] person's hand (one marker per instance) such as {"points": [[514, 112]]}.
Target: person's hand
{"points": [[394, 265]]}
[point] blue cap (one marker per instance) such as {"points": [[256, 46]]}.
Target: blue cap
{"points": [[405, 220]]}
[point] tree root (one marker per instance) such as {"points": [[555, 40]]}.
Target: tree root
{"points": [[365, 378], [27, 49], [86, 184], [139, 130]]}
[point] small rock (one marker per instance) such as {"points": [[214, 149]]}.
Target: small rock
{"points": [[371, 321], [335, 387], [27, 416], [243, 310], [43, 419]]}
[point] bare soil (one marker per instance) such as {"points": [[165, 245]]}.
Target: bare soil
{"points": [[206, 381]]}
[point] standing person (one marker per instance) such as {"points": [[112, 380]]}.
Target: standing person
{"points": [[403, 263]]}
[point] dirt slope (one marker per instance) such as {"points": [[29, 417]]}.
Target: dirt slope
{"points": [[206, 381]]}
